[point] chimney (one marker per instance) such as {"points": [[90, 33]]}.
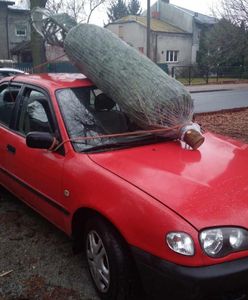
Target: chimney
{"points": [[155, 15]]}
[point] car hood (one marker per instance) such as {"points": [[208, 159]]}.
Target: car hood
{"points": [[207, 187]]}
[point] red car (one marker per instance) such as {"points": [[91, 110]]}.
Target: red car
{"points": [[141, 206]]}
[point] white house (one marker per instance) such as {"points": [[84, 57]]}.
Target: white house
{"points": [[175, 33]]}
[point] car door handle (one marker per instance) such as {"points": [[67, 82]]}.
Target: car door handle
{"points": [[11, 149]]}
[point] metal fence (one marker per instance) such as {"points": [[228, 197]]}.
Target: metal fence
{"points": [[186, 74], [220, 74], [26, 67], [58, 67]]}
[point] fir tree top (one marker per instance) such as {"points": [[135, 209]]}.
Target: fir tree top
{"points": [[134, 7]]}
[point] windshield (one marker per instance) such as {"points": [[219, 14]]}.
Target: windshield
{"points": [[87, 112]]}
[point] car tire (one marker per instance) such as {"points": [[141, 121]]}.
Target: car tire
{"points": [[108, 261]]}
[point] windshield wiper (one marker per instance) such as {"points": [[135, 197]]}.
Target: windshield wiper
{"points": [[106, 147], [127, 143]]}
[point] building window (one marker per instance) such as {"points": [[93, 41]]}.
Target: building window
{"points": [[21, 30], [172, 56]]}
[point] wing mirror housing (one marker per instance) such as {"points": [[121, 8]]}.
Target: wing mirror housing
{"points": [[41, 140]]}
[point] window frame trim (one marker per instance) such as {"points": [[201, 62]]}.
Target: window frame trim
{"points": [[16, 29], [12, 122], [48, 114], [17, 109], [168, 53], [48, 99]]}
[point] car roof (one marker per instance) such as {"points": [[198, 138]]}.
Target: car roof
{"points": [[53, 81], [11, 70]]}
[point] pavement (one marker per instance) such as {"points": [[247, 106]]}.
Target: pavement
{"points": [[216, 87], [217, 97]]}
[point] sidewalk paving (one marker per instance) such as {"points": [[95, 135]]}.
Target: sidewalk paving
{"points": [[216, 87], [209, 98]]}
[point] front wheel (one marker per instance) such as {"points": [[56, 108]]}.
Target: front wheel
{"points": [[109, 263]]}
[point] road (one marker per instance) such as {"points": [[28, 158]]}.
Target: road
{"points": [[209, 101]]}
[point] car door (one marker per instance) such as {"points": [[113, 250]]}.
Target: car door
{"points": [[37, 173], [8, 99]]}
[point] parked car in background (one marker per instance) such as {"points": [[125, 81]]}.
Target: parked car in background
{"points": [[4, 72], [142, 207]]}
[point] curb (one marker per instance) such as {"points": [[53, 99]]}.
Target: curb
{"points": [[209, 91], [222, 111]]}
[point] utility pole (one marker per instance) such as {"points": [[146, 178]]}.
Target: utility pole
{"points": [[148, 30]]}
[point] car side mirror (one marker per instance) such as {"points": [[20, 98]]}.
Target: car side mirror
{"points": [[41, 140]]}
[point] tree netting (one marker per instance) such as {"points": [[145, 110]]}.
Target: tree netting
{"points": [[148, 96], [52, 27]]}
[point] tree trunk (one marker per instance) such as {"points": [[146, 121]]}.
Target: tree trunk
{"points": [[37, 43]]}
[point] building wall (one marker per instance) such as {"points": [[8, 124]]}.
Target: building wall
{"points": [[174, 15], [135, 35], [9, 19], [132, 33], [196, 41], [174, 42], [196, 38], [3, 32], [185, 20], [18, 18]]}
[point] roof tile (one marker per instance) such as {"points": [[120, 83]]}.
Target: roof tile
{"points": [[156, 25]]}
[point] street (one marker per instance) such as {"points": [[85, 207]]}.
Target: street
{"points": [[209, 101]]}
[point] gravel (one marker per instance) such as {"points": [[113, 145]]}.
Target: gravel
{"points": [[232, 123], [39, 256]]}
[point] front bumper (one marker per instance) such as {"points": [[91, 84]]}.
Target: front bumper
{"points": [[165, 280]]}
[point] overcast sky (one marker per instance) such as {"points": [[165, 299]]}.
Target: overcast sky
{"points": [[99, 17], [201, 6]]}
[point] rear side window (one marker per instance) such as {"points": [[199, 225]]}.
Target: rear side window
{"points": [[8, 95], [35, 114]]}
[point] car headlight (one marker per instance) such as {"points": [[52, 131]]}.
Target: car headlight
{"points": [[219, 242], [180, 242]]}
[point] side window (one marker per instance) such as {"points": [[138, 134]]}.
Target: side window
{"points": [[93, 96], [8, 95], [35, 113]]}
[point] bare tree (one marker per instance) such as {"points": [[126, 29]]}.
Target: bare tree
{"points": [[76, 9], [80, 10], [37, 42], [231, 34], [93, 5], [55, 5], [235, 11]]}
